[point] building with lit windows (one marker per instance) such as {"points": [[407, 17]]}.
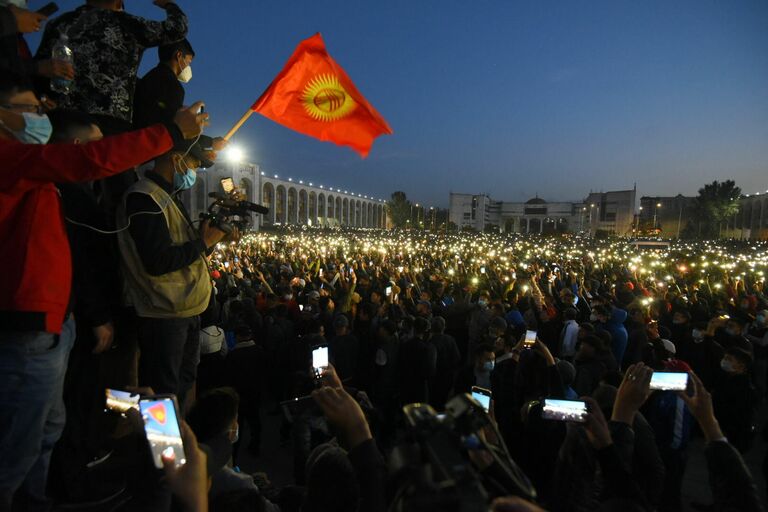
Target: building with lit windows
{"points": [[611, 212], [290, 201]]}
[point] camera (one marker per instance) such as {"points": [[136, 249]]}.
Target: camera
{"points": [[432, 468], [226, 213]]}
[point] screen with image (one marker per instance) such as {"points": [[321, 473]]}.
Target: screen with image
{"points": [[669, 381], [228, 185], [484, 400], [320, 357], [121, 401], [162, 428], [564, 410]]}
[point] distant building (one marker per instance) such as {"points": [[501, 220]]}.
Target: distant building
{"points": [[289, 201], [612, 212], [751, 223], [672, 214]]}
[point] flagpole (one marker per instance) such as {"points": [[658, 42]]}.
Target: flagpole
{"points": [[238, 124]]}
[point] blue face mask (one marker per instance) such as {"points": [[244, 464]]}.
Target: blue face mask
{"points": [[184, 181], [37, 129], [488, 366]]}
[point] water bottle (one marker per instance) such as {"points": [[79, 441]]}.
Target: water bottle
{"points": [[62, 52]]}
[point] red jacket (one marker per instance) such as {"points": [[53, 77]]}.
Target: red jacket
{"points": [[36, 273]]}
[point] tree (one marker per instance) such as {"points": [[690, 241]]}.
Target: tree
{"points": [[716, 204], [399, 209]]}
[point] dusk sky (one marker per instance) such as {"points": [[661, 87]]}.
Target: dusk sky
{"points": [[505, 97]]}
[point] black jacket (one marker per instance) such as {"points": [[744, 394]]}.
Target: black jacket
{"points": [[732, 485]]}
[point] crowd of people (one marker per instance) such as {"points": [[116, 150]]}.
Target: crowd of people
{"points": [[109, 284]]}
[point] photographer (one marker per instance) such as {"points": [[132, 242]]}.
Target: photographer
{"points": [[167, 276]]}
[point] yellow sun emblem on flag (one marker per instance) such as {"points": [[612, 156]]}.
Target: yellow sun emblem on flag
{"points": [[326, 100]]}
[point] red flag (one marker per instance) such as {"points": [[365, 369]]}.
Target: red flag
{"points": [[314, 96]]}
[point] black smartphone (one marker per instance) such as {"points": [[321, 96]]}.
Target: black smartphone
{"points": [[121, 401], [161, 425], [48, 9], [299, 406], [483, 396], [319, 360], [564, 410]]}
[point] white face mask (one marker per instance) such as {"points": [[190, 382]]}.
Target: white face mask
{"points": [[726, 365], [186, 74], [697, 335]]}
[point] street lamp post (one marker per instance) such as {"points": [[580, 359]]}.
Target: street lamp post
{"points": [[679, 219], [655, 211]]}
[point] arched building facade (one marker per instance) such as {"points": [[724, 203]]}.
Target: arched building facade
{"points": [[290, 201]]}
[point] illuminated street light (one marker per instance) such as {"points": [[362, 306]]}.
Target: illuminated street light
{"points": [[234, 154]]}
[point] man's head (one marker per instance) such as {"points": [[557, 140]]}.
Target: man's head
{"points": [[215, 414], [72, 127], [438, 325], [178, 167], [734, 327], [602, 313], [341, 325], [736, 361], [485, 357], [22, 115], [681, 317], [178, 56]]}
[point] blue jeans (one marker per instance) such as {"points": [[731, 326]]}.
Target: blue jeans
{"points": [[32, 415]]}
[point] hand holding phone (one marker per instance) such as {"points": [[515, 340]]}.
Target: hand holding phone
{"points": [[319, 360], [48, 9], [483, 396], [530, 339], [161, 425]]}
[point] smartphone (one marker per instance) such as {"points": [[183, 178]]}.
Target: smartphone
{"points": [[319, 359], [564, 410], [48, 9], [161, 425], [483, 396], [400, 269], [298, 406], [228, 185], [482, 270], [669, 381], [320, 273], [530, 339], [301, 307], [388, 291], [226, 264], [121, 401]]}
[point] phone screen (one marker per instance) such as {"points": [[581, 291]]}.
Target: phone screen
{"points": [[564, 410], [320, 358], [228, 185], [530, 339], [161, 424], [388, 291], [482, 270], [669, 381], [121, 401], [483, 396]]}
